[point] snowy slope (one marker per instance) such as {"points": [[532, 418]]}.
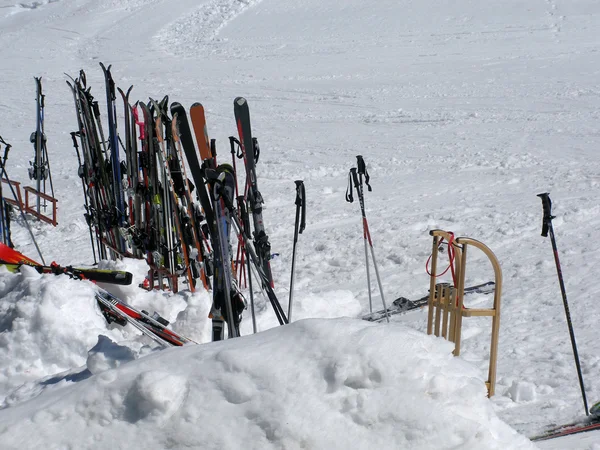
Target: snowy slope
{"points": [[463, 112]]}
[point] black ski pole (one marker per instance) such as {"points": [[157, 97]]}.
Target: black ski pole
{"points": [[547, 229], [299, 226]]}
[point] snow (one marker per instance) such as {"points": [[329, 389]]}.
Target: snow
{"points": [[463, 112], [360, 392]]}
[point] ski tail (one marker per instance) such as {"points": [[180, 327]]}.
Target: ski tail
{"points": [[568, 430]]}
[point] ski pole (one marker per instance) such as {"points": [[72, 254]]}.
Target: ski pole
{"points": [[3, 174], [547, 229], [356, 178], [4, 219], [299, 226], [353, 180]]}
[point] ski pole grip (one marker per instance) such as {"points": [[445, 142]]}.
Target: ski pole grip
{"points": [[547, 207], [301, 202], [361, 166], [232, 144], [362, 170], [299, 192]]}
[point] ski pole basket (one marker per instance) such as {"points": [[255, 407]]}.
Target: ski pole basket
{"points": [[446, 301]]}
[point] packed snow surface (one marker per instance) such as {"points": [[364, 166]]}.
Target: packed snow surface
{"points": [[463, 111]]}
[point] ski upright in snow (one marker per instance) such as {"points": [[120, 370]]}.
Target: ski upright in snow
{"points": [[250, 151], [402, 304]]}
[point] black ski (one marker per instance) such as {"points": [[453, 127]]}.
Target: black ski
{"points": [[228, 303], [253, 257], [187, 142], [250, 151], [120, 277], [402, 304]]}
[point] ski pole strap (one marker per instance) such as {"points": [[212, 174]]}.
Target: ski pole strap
{"points": [[547, 206], [233, 141], [6, 144], [362, 170], [301, 203], [6, 150], [256, 148], [450, 244], [349, 197]]}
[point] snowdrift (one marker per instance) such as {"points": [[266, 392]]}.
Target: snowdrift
{"points": [[318, 383]]}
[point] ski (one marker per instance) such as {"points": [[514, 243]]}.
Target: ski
{"points": [[590, 424], [171, 197], [119, 277], [250, 151], [228, 302], [13, 260], [39, 169], [12, 256], [187, 142], [402, 305], [113, 139], [153, 326], [252, 254], [227, 305]]}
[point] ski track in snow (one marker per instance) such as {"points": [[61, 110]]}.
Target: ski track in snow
{"points": [[463, 115], [191, 35]]}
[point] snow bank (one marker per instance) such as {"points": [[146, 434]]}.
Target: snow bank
{"points": [[51, 327], [318, 383], [47, 325]]}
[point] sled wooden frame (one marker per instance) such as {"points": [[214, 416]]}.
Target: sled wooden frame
{"points": [[18, 202], [159, 275], [35, 193], [446, 302]]}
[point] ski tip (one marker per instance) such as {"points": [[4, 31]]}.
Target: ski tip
{"points": [[239, 101], [196, 105]]}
